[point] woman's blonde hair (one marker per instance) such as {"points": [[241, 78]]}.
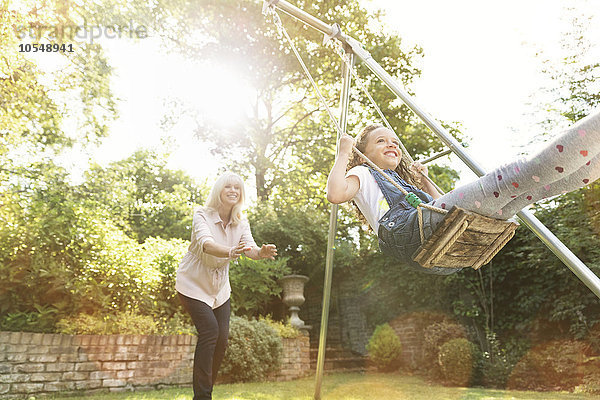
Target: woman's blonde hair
{"points": [[214, 198], [402, 169]]}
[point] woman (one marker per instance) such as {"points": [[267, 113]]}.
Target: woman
{"points": [[219, 234], [569, 162]]}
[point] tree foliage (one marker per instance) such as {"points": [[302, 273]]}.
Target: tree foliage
{"points": [[287, 143], [254, 284], [144, 197], [37, 100], [574, 75]]}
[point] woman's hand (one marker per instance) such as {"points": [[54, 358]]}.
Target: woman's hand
{"points": [[238, 250], [419, 168], [267, 251]]}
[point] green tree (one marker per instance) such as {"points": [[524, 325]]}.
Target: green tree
{"points": [[144, 197], [288, 143], [574, 75], [37, 100]]}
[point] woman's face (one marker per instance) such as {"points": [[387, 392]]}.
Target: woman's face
{"points": [[231, 194], [382, 148]]}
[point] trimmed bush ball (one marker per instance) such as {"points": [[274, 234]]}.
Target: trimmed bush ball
{"points": [[456, 360], [435, 335], [385, 348]]}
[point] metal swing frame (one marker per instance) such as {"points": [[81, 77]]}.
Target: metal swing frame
{"points": [[356, 50]]}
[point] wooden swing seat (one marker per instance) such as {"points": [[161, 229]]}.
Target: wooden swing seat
{"points": [[464, 239]]}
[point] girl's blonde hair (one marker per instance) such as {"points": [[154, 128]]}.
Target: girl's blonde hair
{"points": [[402, 169], [214, 198]]}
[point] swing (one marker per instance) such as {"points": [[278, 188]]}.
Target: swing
{"points": [[463, 238]]}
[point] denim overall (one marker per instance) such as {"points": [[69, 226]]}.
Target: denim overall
{"points": [[398, 233]]}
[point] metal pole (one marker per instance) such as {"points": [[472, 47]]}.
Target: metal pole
{"points": [[547, 237], [345, 101], [435, 156], [302, 16]]}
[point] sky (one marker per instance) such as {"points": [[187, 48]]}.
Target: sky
{"points": [[480, 69]]}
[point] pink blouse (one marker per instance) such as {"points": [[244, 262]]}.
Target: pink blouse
{"points": [[200, 275]]}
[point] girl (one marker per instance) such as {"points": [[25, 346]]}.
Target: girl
{"points": [[219, 234], [569, 162]]}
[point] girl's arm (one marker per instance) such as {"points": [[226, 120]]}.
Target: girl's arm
{"points": [[428, 187], [339, 188]]}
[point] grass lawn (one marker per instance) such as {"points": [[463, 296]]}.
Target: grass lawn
{"points": [[353, 386]]}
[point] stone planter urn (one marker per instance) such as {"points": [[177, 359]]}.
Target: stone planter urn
{"points": [[293, 297]]}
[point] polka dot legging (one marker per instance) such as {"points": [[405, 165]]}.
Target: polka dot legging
{"points": [[567, 163]]}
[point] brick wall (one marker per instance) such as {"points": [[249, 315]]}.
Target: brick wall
{"points": [[410, 328], [35, 363], [347, 327], [296, 358]]}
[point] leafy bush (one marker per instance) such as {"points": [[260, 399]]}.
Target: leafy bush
{"points": [[434, 336], [254, 351], [593, 338], [457, 359], [164, 256], [552, 366], [254, 283], [179, 323], [86, 265], [284, 330], [497, 362], [385, 348], [126, 323], [591, 379], [42, 320]]}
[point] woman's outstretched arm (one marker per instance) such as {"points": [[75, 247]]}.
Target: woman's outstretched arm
{"points": [[265, 251]]}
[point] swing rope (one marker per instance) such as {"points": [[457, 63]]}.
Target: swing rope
{"points": [[412, 199]]}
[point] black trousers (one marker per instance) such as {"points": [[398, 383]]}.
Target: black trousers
{"points": [[213, 331]]}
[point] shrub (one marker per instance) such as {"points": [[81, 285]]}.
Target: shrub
{"points": [[456, 359], [179, 323], [385, 348], [591, 380], [434, 336], [86, 265], [126, 323], [254, 351], [497, 362], [42, 320], [164, 257], [552, 366], [593, 338], [254, 283], [284, 330]]}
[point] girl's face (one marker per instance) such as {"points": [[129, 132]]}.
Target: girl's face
{"points": [[231, 194], [382, 148]]}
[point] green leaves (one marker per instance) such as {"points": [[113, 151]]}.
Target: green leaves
{"points": [[385, 348], [254, 284], [143, 197]]}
